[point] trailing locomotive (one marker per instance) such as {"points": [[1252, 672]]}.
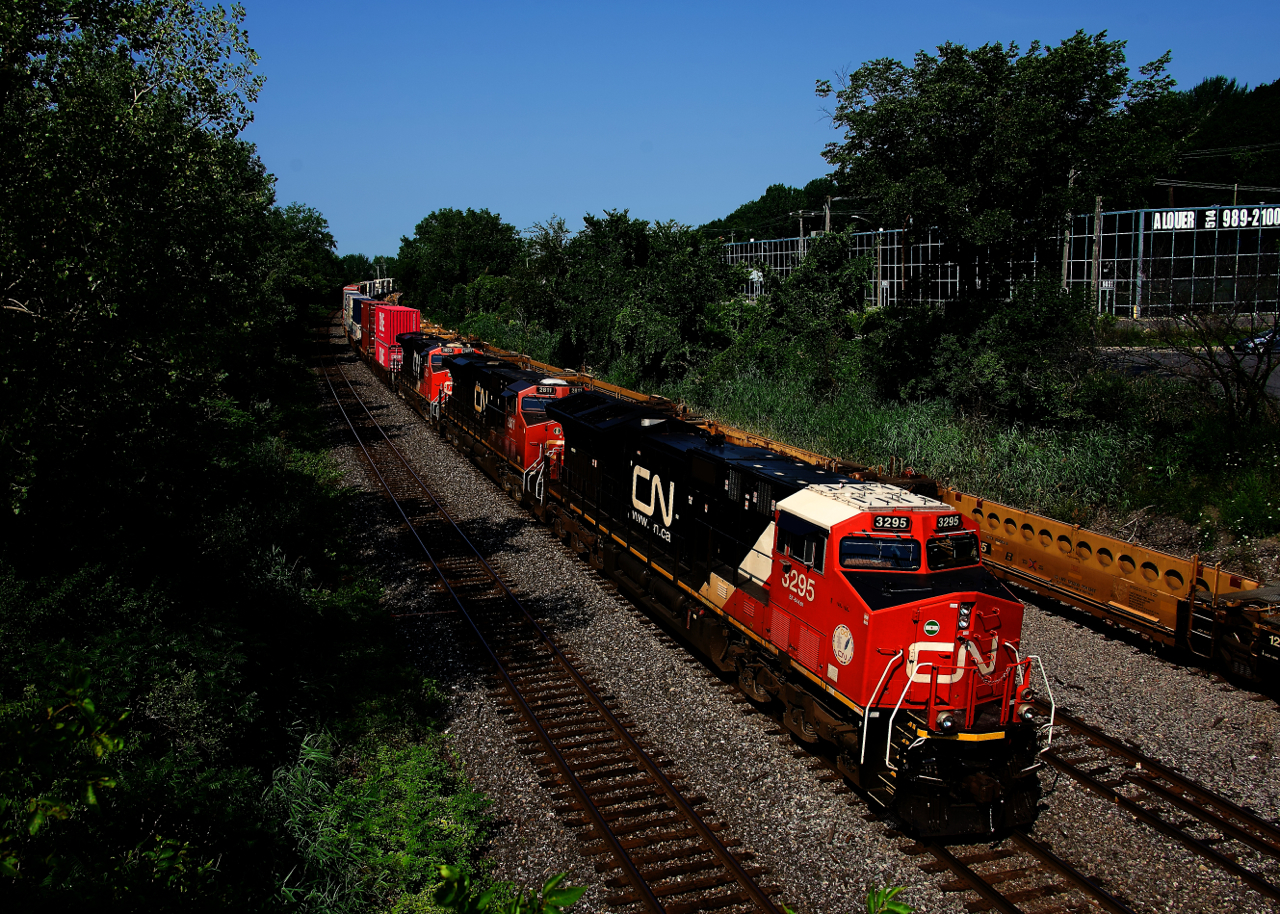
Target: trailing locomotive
{"points": [[422, 372], [504, 409], [862, 607]]}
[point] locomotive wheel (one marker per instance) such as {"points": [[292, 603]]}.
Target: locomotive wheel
{"points": [[799, 724], [751, 687], [557, 527]]}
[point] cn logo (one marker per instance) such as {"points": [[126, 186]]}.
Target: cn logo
{"points": [[481, 398], [666, 504]]}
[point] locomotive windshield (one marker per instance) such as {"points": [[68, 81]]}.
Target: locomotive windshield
{"points": [[884, 553], [436, 360], [957, 551], [536, 407]]}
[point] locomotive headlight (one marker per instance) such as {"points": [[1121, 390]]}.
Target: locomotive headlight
{"points": [[948, 722], [1025, 713], [966, 611]]}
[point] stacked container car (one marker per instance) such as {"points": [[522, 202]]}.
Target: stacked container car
{"points": [[862, 607], [366, 340], [389, 322], [352, 308]]}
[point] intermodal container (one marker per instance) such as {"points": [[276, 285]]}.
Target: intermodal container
{"points": [[393, 320], [367, 313]]}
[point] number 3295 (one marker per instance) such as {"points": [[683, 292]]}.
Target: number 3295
{"points": [[800, 584]]}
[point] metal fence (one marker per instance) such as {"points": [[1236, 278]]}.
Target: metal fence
{"points": [[1135, 262]]}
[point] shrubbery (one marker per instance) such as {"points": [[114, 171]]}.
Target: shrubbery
{"points": [[178, 604]]}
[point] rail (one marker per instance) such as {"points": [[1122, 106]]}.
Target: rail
{"points": [[602, 825], [1164, 786]]}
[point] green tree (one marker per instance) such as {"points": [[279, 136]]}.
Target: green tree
{"points": [[449, 248], [1234, 139], [770, 216], [637, 299], [804, 326], [995, 148], [355, 268], [160, 530]]}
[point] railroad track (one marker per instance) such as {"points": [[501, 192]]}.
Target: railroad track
{"points": [[1229, 837], [657, 851], [1016, 875]]}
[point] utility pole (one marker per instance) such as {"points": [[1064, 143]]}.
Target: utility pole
{"points": [[826, 225], [1066, 235], [1097, 247]]}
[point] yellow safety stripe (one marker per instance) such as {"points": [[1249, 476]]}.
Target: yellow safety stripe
{"points": [[963, 737]]}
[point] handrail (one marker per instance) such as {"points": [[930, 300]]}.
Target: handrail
{"points": [[888, 740], [535, 471], [1053, 704], [866, 714]]}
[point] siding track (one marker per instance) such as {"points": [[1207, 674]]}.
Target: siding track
{"points": [[1171, 804]]}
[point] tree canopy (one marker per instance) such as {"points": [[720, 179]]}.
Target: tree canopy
{"points": [[451, 247], [770, 215], [994, 147], [173, 614], [1234, 138]]}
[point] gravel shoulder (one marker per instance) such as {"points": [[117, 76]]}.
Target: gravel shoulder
{"points": [[821, 848]]}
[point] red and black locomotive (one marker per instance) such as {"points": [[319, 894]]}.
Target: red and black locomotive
{"points": [[862, 608]]}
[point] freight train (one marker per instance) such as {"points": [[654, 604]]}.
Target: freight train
{"points": [[870, 609], [1196, 608], [861, 609]]}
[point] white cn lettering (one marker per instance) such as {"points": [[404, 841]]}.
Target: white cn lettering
{"points": [[481, 399], [913, 658], [667, 503]]}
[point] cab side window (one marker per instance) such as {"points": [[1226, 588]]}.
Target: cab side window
{"points": [[804, 542]]}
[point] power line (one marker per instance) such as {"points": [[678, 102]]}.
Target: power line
{"points": [[1225, 150], [1203, 186]]}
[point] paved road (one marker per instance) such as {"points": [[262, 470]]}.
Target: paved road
{"points": [[1171, 363]]}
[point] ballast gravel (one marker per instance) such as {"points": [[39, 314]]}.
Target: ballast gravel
{"points": [[819, 843]]}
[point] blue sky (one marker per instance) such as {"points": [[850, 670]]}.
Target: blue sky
{"points": [[377, 113]]}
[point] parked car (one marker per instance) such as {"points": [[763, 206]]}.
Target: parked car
{"points": [[1269, 341]]}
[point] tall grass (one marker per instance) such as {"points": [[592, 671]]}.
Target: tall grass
{"points": [[1066, 474]]}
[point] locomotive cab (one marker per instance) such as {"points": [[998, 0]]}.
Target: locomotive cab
{"points": [[531, 433], [923, 639]]}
